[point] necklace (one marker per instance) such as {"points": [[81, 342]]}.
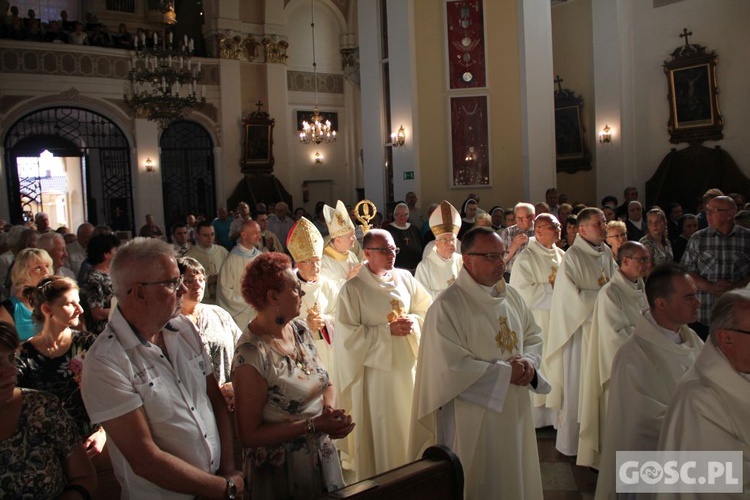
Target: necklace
{"points": [[295, 356]]}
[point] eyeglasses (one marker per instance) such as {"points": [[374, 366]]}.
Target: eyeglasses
{"points": [[618, 235], [189, 283], [172, 285], [385, 250], [490, 256], [717, 210], [446, 240], [746, 332]]}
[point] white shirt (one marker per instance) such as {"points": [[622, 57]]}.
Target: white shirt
{"points": [[123, 372]]}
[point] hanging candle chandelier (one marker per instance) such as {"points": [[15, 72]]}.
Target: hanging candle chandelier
{"points": [[317, 130]]}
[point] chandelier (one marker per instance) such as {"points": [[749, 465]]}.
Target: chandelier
{"points": [[163, 82], [317, 130]]}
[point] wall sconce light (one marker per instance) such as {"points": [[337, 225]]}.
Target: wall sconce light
{"points": [[318, 158], [605, 136], [149, 165], [398, 138]]}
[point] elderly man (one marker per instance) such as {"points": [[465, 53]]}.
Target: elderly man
{"points": [[243, 214], [635, 224], [586, 267], [150, 229], [180, 238], [617, 309], [280, 223], [534, 279], [717, 257], [379, 318], [440, 268], [148, 380], [54, 243], [229, 282], [269, 242], [41, 220], [339, 263], [647, 368], [516, 237], [210, 256], [319, 300], [710, 409], [478, 360]]}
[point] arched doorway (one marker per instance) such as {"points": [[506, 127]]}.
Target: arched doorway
{"points": [[96, 151], [187, 164]]}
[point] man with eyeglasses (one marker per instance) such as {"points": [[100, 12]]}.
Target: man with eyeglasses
{"points": [[616, 311], [210, 256], [534, 277], [379, 318], [516, 237], [710, 409], [586, 267], [647, 368], [440, 268], [229, 282], [718, 257], [478, 361], [149, 380]]}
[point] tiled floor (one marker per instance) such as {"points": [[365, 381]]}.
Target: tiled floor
{"points": [[562, 479]]}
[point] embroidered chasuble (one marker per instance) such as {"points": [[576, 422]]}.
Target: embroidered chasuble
{"points": [[321, 297], [436, 273], [336, 266]]}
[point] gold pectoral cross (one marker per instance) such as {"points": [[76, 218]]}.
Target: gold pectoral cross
{"points": [[506, 339], [451, 280], [603, 280], [396, 311], [553, 275]]}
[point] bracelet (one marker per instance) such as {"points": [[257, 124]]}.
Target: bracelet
{"points": [[309, 426], [80, 490]]}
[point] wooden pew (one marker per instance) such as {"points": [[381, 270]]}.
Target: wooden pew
{"points": [[437, 476]]}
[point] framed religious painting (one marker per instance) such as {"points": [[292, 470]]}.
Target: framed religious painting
{"points": [[466, 44], [469, 141], [694, 114], [257, 151], [572, 153]]}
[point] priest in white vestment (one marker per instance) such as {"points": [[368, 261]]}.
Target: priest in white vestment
{"points": [[710, 410], [379, 318], [440, 268], [210, 255], [534, 275], [305, 243], [586, 267], [339, 263], [229, 283], [647, 368], [617, 309], [479, 358]]}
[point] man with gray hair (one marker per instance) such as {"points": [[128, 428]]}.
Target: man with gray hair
{"points": [[280, 223], [77, 250], [149, 380], [710, 409], [635, 224], [41, 220], [516, 237], [54, 243]]}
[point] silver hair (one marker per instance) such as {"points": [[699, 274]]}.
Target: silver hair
{"points": [[132, 257], [724, 312], [47, 240], [528, 206]]}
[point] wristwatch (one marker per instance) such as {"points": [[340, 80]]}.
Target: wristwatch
{"points": [[231, 489]]}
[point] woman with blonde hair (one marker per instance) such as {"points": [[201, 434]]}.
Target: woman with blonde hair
{"points": [[285, 402], [656, 238], [30, 266], [52, 360], [617, 234]]}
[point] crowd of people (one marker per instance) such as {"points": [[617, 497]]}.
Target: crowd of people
{"points": [[343, 351]]}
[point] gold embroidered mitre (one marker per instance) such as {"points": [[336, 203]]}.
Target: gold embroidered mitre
{"points": [[445, 219], [337, 219], [304, 241]]}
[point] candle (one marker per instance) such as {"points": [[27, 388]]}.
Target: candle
{"points": [[199, 66], [203, 91], [156, 39]]}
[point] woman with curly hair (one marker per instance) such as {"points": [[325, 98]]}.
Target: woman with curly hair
{"points": [[52, 360], [284, 401]]}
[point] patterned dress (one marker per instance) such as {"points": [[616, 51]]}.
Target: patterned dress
{"points": [[60, 376], [32, 459], [219, 332], [304, 467], [96, 292]]}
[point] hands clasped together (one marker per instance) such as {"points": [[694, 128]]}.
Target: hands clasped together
{"points": [[522, 370], [401, 326], [334, 422]]}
